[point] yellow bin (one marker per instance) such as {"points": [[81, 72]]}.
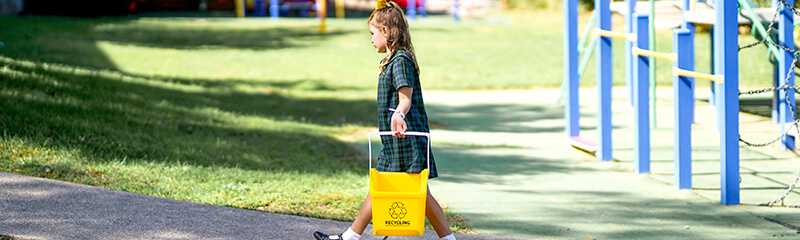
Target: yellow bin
{"points": [[398, 199]]}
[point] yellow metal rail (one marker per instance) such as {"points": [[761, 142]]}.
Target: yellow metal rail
{"points": [[618, 35], [644, 52], [697, 75]]}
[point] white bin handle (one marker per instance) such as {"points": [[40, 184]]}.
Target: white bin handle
{"points": [[389, 133]]}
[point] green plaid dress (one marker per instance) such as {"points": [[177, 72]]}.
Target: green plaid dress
{"points": [[408, 154]]}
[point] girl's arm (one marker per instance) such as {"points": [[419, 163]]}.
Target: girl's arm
{"points": [[398, 125]]}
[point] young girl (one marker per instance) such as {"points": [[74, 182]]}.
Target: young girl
{"points": [[400, 108]]}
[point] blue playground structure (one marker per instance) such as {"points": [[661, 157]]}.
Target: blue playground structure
{"points": [[276, 7], [724, 17]]}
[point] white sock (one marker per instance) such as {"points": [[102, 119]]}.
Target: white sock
{"points": [[350, 235], [449, 237]]}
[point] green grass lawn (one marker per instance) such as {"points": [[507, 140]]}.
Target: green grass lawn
{"points": [[246, 113]]}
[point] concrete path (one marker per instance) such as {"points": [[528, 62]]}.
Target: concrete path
{"points": [[507, 167]]}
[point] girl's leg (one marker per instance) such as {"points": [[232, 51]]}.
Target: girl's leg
{"points": [[436, 216], [364, 216], [356, 229]]}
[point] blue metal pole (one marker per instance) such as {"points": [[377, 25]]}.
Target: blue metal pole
{"points": [[273, 9], [571, 111], [260, 7], [786, 98], [604, 80], [775, 94], [776, 81], [727, 64], [422, 8], [411, 9], [629, 28], [713, 52], [641, 96], [683, 88], [687, 5]]}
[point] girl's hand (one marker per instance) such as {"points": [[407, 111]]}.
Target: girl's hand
{"points": [[403, 106], [398, 126]]}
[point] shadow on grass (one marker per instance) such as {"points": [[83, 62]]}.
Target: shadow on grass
{"points": [[159, 36], [114, 118], [6, 237], [74, 41], [233, 84], [266, 99]]}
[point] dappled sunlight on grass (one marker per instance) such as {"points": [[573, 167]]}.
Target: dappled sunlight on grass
{"points": [[179, 141]]}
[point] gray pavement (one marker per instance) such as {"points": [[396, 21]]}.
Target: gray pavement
{"points": [[35, 208]]}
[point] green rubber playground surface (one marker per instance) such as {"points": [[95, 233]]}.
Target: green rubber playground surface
{"points": [[516, 176]]}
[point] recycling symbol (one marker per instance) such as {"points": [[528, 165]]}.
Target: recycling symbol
{"points": [[398, 210]]}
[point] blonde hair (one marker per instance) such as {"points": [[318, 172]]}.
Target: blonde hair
{"points": [[390, 19]]}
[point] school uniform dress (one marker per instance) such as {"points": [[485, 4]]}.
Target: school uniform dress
{"points": [[407, 154]]}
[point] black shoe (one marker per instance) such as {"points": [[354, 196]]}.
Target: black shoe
{"points": [[322, 236]]}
